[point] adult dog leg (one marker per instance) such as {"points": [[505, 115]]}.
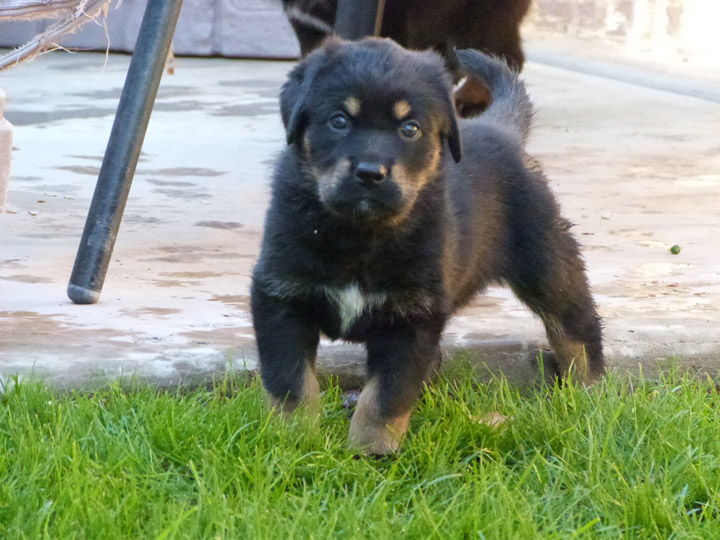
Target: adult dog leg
{"points": [[400, 359], [287, 346]]}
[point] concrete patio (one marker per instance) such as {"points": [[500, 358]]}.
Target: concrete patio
{"points": [[636, 168]]}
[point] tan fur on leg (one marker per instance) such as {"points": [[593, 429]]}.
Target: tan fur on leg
{"points": [[571, 358], [309, 401], [371, 434]]}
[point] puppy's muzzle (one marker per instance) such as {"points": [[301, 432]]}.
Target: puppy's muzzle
{"points": [[370, 174]]}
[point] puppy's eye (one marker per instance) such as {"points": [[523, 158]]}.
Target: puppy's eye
{"points": [[410, 129], [339, 122]]}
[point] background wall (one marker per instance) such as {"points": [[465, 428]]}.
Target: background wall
{"points": [[241, 28], [671, 31], [680, 32]]}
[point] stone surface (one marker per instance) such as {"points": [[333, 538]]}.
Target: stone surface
{"points": [[635, 168]]}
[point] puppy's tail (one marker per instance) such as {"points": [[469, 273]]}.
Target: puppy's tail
{"points": [[510, 106]]}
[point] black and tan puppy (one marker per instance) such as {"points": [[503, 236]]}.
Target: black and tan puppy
{"points": [[378, 231]]}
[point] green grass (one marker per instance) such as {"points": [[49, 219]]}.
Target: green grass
{"points": [[629, 458]]}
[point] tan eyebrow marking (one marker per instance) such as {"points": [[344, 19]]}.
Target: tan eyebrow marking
{"points": [[352, 104], [401, 109]]}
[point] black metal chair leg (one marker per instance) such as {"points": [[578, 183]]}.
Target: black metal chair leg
{"points": [[356, 19], [123, 150]]}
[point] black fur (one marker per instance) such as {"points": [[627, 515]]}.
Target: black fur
{"points": [[422, 242], [492, 26]]}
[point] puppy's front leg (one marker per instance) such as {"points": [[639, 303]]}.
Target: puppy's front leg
{"points": [[399, 361], [287, 344]]}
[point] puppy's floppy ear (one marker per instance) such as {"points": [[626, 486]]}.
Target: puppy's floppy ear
{"points": [[434, 66], [292, 100], [297, 88], [453, 134]]}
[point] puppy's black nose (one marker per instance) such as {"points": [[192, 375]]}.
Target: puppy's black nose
{"points": [[370, 174]]}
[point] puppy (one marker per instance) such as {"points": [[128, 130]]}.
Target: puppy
{"points": [[489, 25], [377, 230]]}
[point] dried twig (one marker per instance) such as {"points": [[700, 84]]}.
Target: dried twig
{"points": [[36, 9], [74, 14]]}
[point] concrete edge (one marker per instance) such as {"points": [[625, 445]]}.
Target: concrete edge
{"points": [[522, 363]]}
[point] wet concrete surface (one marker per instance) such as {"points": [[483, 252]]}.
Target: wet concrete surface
{"points": [[636, 169]]}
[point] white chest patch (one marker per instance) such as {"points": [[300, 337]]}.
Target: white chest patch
{"points": [[351, 302]]}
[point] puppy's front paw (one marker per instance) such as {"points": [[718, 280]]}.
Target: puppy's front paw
{"points": [[308, 408], [372, 434], [377, 438]]}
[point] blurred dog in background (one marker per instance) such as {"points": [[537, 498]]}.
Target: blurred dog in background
{"points": [[491, 26]]}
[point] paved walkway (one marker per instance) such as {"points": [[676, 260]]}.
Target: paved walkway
{"points": [[636, 169]]}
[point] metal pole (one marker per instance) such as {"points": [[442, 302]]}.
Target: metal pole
{"points": [[356, 19], [123, 149]]}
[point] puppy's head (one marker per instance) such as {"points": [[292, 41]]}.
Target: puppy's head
{"points": [[370, 121]]}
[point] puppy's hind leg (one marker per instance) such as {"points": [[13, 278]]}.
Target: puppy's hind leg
{"points": [[400, 359], [548, 274], [287, 345]]}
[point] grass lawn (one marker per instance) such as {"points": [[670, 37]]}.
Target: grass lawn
{"points": [[630, 458]]}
